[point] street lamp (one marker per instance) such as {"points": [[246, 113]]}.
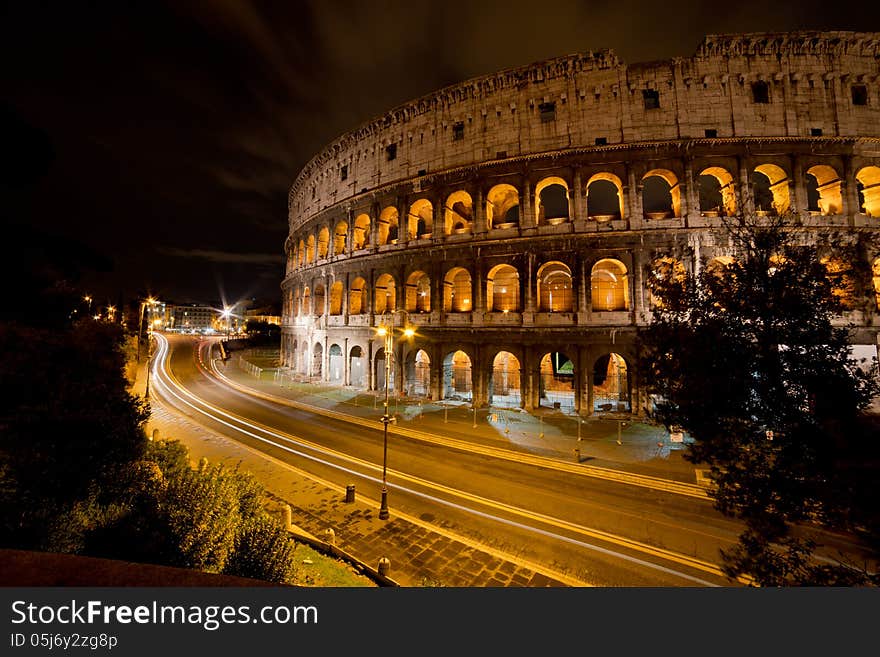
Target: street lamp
{"points": [[386, 330], [227, 312], [151, 301], [149, 356], [88, 299]]}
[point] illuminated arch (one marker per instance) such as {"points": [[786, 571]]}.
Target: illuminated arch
{"points": [[323, 242], [502, 289], [604, 197], [717, 192], [420, 221], [551, 201], [457, 291], [388, 226], [306, 302], [318, 298], [357, 297], [361, 232], [418, 374], [310, 249], [824, 190], [661, 194], [868, 184], [609, 286], [418, 293], [385, 298], [875, 279], [771, 189], [457, 378], [340, 236], [555, 291], [502, 206], [556, 380], [301, 253], [336, 292], [505, 381], [458, 213]]}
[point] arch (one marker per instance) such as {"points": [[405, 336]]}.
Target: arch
{"points": [[388, 226], [418, 374], [294, 356], [611, 384], [502, 289], [556, 381], [868, 187], [824, 190], [317, 361], [386, 294], [323, 242], [842, 279], [356, 367], [297, 302], [502, 206], [340, 236], [661, 194], [379, 370], [418, 293], [551, 201], [665, 272], [770, 185], [336, 292], [310, 249], [318, 299], [457, 379], [717, 192], [301, 253], [420, 221], [304, 360], [604, 197], [335, 363], [361, 232], [306, 302], [458, 213], [555, 290], [875, 279], [357, 297], [609, 285], [457, 291], [505, 389]]}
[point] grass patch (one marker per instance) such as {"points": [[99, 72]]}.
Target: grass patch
{"points": [[316, 569]]}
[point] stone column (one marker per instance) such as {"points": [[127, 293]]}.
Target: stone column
{"points": [[349, 237], [850, 191], [634, 196], [693, 201], [584, 291], [797, 191], [577, 203], [402, 222], [439, 227], [479, 223], [374, 226], [527, 210], [346, 374], [478, 290], [346, 291], [746, 201], [325, 359]]}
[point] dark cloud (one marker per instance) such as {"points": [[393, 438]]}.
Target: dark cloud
{"points": [[172, 131]]}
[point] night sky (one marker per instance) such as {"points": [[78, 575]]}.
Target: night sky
{"points": [[158, 140]]}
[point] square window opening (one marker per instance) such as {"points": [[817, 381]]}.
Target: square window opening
{"points": [[651, 98]]}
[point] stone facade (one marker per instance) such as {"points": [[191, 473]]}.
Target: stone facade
{"points": [[512, 219]]}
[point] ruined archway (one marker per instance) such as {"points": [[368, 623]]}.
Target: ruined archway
{"points": [[505, 390], [556, 381], [611, 385], [457, 376]]}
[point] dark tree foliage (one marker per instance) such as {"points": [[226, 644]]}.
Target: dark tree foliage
{"points": [[749, 361]]}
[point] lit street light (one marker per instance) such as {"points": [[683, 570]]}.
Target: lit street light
{"points": [[149, 354], [227, 312], [386, 330], [88, 299], [151, 301]]}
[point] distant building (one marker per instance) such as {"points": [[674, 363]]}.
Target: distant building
{"points": [[192, 317]]}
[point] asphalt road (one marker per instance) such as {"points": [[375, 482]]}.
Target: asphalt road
{"points": [[602, 532]]}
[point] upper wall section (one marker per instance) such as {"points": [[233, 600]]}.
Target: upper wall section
{"points": [[747, 85]]}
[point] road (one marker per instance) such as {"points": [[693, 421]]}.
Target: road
{"points": [[599, 531]]}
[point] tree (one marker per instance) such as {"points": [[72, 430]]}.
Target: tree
{"points": [[748, 358]]}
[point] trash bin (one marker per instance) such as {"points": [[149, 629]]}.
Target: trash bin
{"points": [[349, 493]]}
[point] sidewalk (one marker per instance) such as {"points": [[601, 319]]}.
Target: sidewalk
{"points": [[618, 443]]}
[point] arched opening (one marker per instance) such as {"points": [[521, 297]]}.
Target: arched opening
{"points": [[304, 360], [379, 366], [310, 249], [420, 222], [457, 291], [318, 299], [868, 186], [604, 197], [336, 292], [502, 289], [386, 294], [361, 232], [318, 361], [504, 381], [667, 275], [609, 286], [716, 192], [301, 253], [418, 374], [770, 189], [418, 293], [336, 364], [719, 266], [357, 297], [388, 226], [824, 191], [556, 381], [323, 242], [551, 201], [661, 194], [875, 271], [356, 367], [502, 207], [555, 292], [297, 302], [458, 213], [843, 281], [307, 302], [611, 385], [294, 357], [340, 234], [457, 376]]}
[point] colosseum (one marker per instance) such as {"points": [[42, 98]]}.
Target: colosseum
{"points": [[512, 220]]}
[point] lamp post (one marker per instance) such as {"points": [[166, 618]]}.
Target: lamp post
{"points": [[149, 357], [151, 301], [88, 299], [386, 330], [227, 312]]}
